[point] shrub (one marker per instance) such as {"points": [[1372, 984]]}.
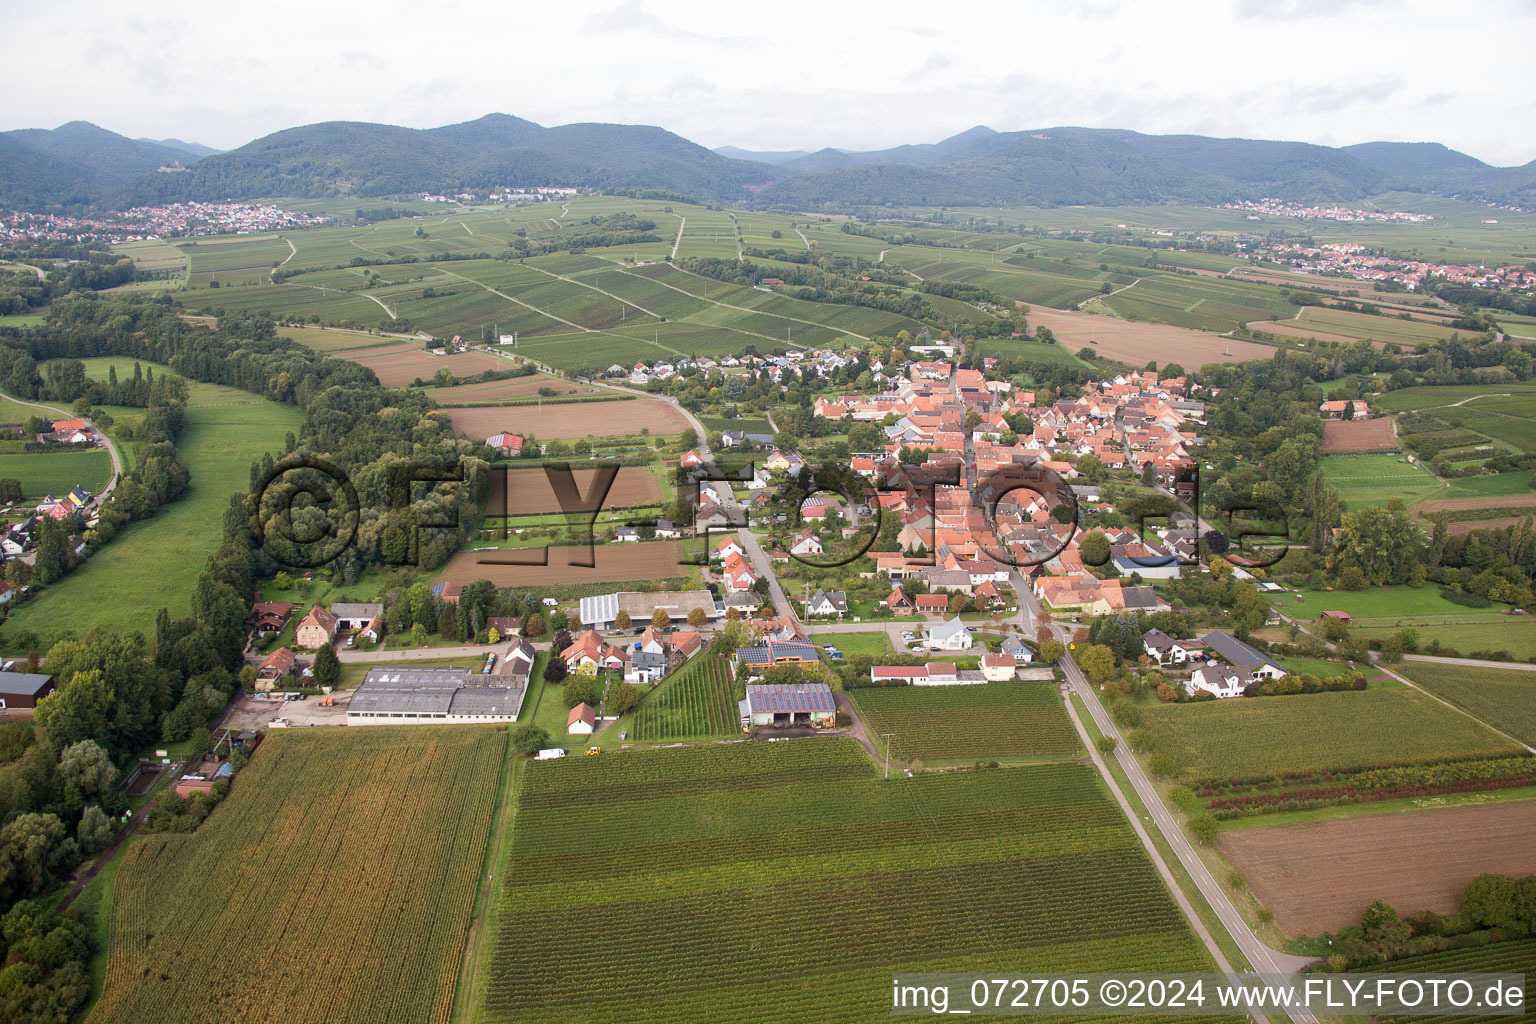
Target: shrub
{"points": [[1203, 828], [1162, 766]]}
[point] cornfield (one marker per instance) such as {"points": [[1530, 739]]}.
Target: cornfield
{"points": [[335, 884]]}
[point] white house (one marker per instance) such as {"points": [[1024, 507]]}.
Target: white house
{"points": [[950, 636], [997, 667], [827, 602], [1216, 679], [1017, 649], [806, 543], [1162, 648], [626, 535], [645, 667]]}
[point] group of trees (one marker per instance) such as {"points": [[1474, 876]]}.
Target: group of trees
{"points": [[1493, 907]]}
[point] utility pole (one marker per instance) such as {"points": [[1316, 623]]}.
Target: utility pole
{"points": [[888, 737]]}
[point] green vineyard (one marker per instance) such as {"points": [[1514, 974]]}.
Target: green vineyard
{"points": [[695, 702], [1513, 956], [787, 882], [991, 720], [334, 884]]}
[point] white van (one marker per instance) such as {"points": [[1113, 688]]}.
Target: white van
{"points": [[550, 754]]}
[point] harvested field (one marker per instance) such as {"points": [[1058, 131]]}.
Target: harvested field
{"points": [[1319, 876], [503, 390], [1482, 524], [615, 563], [1463, 504], [1360, 435], [1291, 329], [1135, 343], [398, 365], [622, 418], [529, 492]]}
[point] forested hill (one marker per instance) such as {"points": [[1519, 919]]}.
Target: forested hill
{"points": [[75, 164], [376, 160], [82, 165]]}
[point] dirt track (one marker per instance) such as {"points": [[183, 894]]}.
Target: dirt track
{"points": [[1319, 876], [1291, 329]]}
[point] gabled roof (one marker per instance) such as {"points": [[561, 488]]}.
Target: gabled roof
{"points": [[1239, 654], [784, 699]]}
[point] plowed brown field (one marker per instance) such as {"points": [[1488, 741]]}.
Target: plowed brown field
{"points": [[1359, 435], [625, 417], [615, 563], [1129, 341], [1319, 876], [398, 365], [528, 491]]}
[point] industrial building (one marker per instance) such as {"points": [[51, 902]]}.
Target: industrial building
{"points": [[599, 612], [443, 696]]}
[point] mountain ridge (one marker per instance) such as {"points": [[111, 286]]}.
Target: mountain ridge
{"points": [[80, 165]]}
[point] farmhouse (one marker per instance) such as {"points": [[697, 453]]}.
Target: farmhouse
{"points": [[1250, 663], [24, 689], [505, 443], [353, 617], [505, 625], [600, 611], [592, 649], [796, 704], [268, 617], [413, 696], [1345, 410], [932, 604], [275, 668], [317, 629]]}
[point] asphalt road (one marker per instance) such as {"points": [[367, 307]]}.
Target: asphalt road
{"points": [[1260, 956], [117, 458]]}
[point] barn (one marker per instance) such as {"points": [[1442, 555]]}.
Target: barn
{"points": [[789, 704], [24, 689]]}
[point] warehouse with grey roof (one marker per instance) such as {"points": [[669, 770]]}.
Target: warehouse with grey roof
{"points": [[443, 696]]}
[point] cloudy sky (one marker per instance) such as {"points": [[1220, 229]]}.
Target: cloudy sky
{"points": [[793, 74]]}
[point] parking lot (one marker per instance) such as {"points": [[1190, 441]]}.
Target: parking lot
{"points": [[257, 712]]}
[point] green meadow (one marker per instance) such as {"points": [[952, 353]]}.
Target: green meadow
{"points": [[155, 563]]}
